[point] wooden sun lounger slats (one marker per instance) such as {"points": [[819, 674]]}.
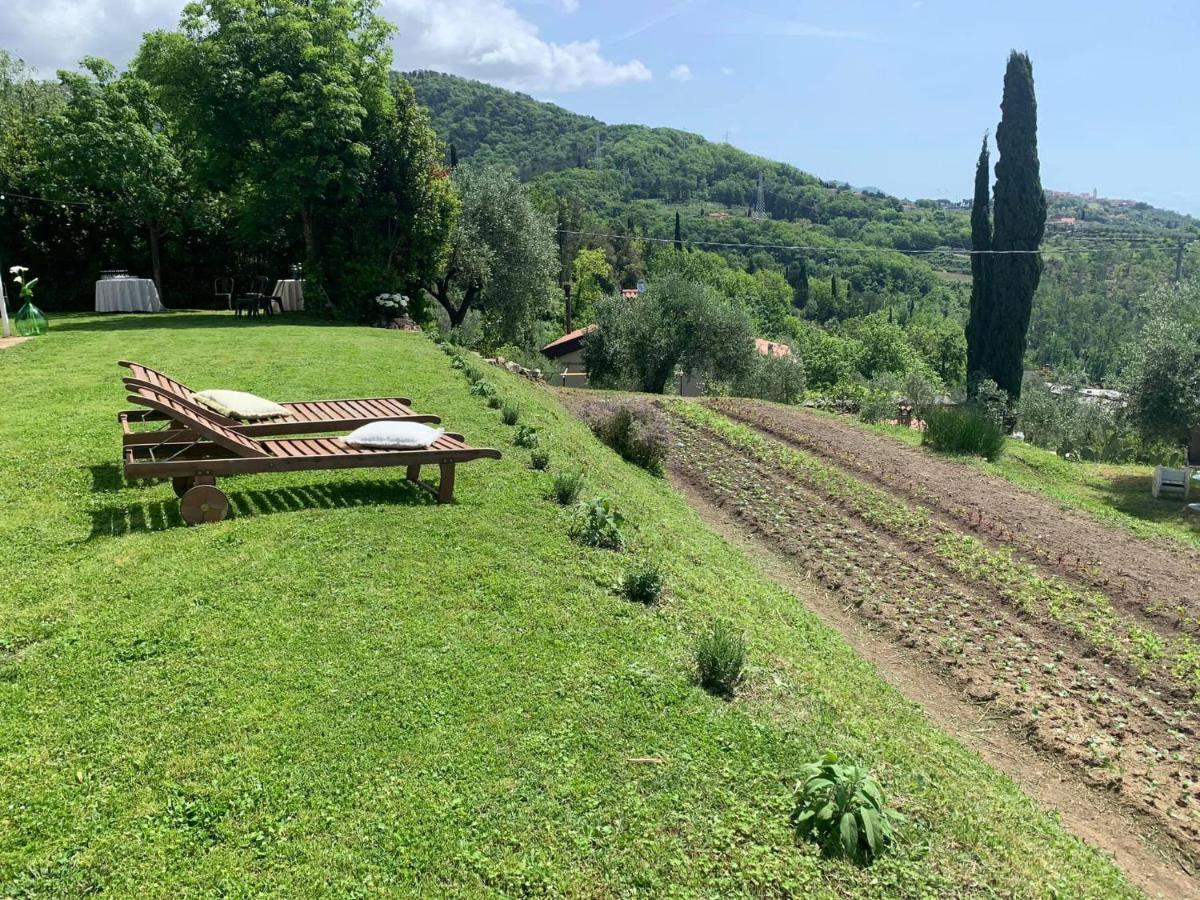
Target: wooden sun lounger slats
{"points": [[303, 416], [206, 448]]}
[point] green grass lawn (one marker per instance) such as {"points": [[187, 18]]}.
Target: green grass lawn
{"points": [[1114, 493], [346, 690]]}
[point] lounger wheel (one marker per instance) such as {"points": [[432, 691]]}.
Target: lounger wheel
{"points": [[183, 483], [203, 503]]}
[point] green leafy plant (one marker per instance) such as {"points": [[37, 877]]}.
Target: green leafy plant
{"points": [[567, 486], [842, 808], [510, 414], [963, 430], [596, 523], [526, 437], [539, 460], [473, 374], [483, 388], [720, 658], [457, 362], [643, 583], [495, 401]]}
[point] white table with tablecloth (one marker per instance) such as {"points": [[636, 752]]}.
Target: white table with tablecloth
{"points": [[127, 295], [290, 292]]}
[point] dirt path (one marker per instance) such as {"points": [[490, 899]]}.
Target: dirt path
{"points": [[1121, 730], [1087, 811], [1148, 579]]}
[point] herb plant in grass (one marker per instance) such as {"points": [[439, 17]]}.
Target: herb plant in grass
{"points": [[539, 460], [483, 388], [510, 414], [495, 401], [596, 523], [842, 808], [964, 431], [720, 659], [567, 486], [643, 583], [526, 436]]}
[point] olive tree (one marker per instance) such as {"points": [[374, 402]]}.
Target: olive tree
{"points": [[675, 323], [502, 258]]}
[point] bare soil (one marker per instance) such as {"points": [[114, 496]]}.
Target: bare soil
{"points": [[1156, 579], [1128, 735]]}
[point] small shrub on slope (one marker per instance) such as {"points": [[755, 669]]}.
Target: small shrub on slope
{"points": [[643, 584], [526, 437], [842, 808], [963, 430], [567, 486], [596, 523], [636, 430], [720, 659]]}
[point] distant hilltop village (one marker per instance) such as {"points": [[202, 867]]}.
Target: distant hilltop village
{"points": [[1093, 197]]}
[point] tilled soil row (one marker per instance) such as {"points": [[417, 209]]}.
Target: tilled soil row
{"points": [[1147, 579], [1057, 693]]}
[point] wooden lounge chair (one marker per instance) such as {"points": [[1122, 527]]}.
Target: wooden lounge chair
{"points": [[309, 417], [203, 448]]}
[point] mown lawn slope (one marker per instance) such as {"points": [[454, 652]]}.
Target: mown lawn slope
{"points": [[345, 690]]}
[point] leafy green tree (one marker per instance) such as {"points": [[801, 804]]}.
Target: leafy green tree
{"points": [[593, 280], [283, 101], [112, 141], [1162, 377], [674, 323], [1019, 223], [502, 258], [979, 321]]}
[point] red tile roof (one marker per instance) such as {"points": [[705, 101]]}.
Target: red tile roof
{"points": [[565, 344], [771, 348]]}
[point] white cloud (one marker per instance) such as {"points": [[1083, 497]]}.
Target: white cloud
{"points": [[486, 39], [489, 40], [56, 34], [681, 73], [726, 70]]}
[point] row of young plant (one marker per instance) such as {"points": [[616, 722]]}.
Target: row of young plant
{"points": [[839, 806], [1088, 614]]}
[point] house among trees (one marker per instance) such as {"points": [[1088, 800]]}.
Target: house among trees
{"points": [[568, 352]]}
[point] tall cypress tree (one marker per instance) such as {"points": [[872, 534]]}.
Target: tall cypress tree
{"points": [[833, 285], [797, 277], [1019, 223], [453, 156], [678, 232], [978, 322]]}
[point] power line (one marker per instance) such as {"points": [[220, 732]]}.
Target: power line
{"points": [[4, 195], [947, 251]]}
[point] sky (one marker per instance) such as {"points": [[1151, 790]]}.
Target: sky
{"points": [[893, 94]]}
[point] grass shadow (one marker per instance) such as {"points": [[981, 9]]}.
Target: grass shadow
{"points": [[163, 514], [185, 320], [1130, 494]]}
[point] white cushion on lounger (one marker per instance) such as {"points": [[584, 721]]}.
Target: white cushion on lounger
{"points": [[393, 436], [239, 405]]}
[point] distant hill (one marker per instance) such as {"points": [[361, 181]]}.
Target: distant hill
{"points": [[537, 138], [1103, 255]]}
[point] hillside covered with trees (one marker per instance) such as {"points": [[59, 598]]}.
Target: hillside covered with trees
{"points": [[630, 181]]}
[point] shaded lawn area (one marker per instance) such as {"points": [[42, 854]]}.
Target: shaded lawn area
{"points": [[346, 690], [1117, 494]]}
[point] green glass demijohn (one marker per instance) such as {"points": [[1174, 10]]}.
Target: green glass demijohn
{"points": [[30, 321]]}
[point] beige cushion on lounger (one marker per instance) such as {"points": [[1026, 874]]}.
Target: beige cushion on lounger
{"points": [[239, 405], [393, 436]]}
